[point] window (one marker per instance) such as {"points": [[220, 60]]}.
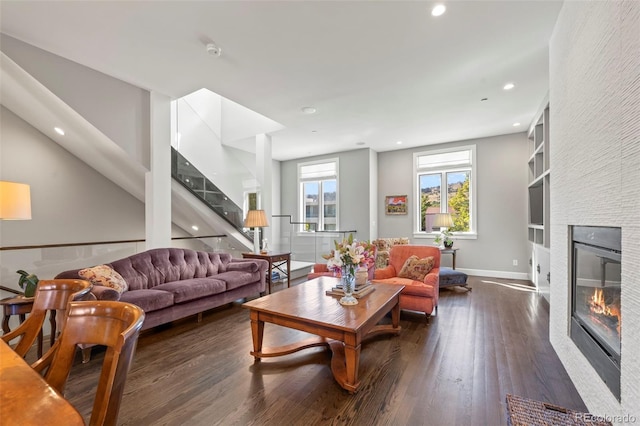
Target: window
{"points": [[444, 184], [318, 183]]}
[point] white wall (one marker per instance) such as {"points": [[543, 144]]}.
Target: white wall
{"points": [[373, 194], [501, 196], [595, 155], [200, 143], [118, 109]]}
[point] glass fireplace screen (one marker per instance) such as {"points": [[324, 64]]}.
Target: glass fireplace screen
{"points": [[596, 292]]}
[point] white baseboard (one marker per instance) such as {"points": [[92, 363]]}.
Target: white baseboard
{"points": [[495, 274]]}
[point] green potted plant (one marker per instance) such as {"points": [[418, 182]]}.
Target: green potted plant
{"points": [[28, 282], [444, 237]]}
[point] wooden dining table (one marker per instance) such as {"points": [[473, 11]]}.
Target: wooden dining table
{"points": [[27, 399]]}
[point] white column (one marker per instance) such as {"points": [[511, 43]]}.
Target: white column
{"points": [[158, 180], [264, 176]]}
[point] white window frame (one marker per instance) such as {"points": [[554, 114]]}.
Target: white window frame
{"points": [[301, 205], [473, 233]]}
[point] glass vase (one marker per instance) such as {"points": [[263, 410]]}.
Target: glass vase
{"points": [[348, 281]]}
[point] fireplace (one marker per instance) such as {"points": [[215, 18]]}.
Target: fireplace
{"points": [[596, 318]]}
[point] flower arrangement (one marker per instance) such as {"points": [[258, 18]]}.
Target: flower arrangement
{"points": [[350, 254]]}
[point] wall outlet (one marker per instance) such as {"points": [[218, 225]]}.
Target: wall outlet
{"points": [[515, 262]]}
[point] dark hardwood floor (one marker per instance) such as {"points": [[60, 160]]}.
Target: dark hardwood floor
{"points": [[456, 370]]}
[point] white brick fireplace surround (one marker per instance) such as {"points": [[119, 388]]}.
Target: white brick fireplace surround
{"points": [[594, 102]]}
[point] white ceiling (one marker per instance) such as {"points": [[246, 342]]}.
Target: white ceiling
{"points": [[377, 72]]}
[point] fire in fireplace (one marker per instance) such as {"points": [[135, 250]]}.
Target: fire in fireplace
{"points": [[596, 318]]}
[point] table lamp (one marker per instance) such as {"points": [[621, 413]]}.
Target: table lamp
{"points": [[256, 219], [15, 201], [442, 220]]}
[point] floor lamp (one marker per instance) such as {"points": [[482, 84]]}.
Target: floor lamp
{"points": [[15, 204], [256, 219]]}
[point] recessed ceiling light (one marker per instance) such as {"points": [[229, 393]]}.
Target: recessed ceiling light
{"points": [[194, 227], [509, 86], [399, 143], [314, 131], [438, 10], [309, 110], [516, 124], [484, 99], [359, 143], [59, 131]]}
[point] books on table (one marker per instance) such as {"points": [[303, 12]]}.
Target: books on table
{"points": [[358, 292]]}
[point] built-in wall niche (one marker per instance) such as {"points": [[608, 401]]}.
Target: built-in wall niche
{"points": [[539, 179], [538, 187]]}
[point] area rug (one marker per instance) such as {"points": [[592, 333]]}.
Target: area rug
{"points": [[527, 412]]}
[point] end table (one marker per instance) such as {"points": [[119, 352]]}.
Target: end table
{"points": [[276, 261], [452, 252], [21, 306]]}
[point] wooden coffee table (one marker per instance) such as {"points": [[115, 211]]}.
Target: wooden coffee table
{"points": [[306, 307]]}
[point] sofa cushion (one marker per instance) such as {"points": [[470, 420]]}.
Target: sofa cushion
{"points": [[416, 268], [149, 300], [105, 276], [235, 279], [105, 293], [186, 290]]}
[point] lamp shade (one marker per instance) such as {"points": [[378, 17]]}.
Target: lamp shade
{"points": [[15, 201], [442, 220], [256, 219]]}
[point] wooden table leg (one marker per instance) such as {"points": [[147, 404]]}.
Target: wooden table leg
{"points": [[352, 363], [257, 333], [5, 324], [395, 316]]}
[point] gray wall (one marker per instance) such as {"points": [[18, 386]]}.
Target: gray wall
{"points": [[70, 202], [118, 109], [354, 197], [501, 196]]}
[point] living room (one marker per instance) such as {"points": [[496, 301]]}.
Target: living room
{"points": [[593, 101]]}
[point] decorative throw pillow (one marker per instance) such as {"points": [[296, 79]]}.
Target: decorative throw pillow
{"points": [[105, 276], [415, 268]]}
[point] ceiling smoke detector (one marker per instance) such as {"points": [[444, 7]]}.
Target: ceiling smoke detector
{"points": [[214, 50]]}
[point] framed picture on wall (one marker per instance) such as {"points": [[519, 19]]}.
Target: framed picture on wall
{"points": [[395, 204]]}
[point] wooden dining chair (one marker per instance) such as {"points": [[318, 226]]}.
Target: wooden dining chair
{"points": [[51, 295], [115, 325]]}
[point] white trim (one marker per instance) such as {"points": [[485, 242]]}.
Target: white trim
{"points": [[496, 274], [473, 234], [458, 236], [335, 160]]}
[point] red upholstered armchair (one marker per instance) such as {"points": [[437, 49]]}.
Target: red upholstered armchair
{"points": [[419, 296]]}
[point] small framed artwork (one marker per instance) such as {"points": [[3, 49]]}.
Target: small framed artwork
{"points": [[395, 204]]}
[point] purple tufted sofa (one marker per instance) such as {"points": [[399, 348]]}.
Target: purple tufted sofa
{"points": [[174, 283]]}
